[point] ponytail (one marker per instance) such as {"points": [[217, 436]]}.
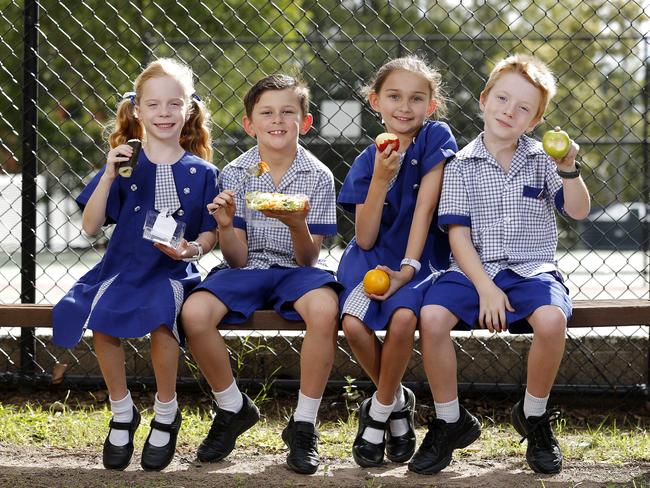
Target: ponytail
{"points": [[125, 126], [195, 136]]}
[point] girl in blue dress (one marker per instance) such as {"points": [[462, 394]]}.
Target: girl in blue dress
{"points": [[139, 286], [393, 195]]}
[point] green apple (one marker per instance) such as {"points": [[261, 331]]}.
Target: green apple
{"points": [[556, 143]]}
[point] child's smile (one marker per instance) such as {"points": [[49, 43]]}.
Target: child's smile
{"points": [[276, 122], [404, 102], [510, 107]]}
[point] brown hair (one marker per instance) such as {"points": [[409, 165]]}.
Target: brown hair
{"points": [[277, 81], [418, 66], [531, 68], [195, 135]]}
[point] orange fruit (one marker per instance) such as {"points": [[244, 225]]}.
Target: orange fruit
{"points": [[376, 282]]}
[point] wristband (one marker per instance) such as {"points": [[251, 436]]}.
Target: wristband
{"points": [[570, 174], [199, 252], [413, 263]]}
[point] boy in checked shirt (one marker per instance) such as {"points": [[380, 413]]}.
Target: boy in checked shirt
{"points": [[272, 262], [498, 200]]}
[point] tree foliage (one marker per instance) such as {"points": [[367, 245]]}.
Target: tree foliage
{"points": [[91, 51]]}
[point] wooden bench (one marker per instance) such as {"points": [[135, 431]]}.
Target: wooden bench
{"points": [[586, 313]]}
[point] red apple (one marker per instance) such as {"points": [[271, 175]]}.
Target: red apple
{"points": [[384, 139]]}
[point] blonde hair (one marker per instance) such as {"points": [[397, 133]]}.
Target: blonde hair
{"points": [[531, 68], [418, 66], [195, 135]]}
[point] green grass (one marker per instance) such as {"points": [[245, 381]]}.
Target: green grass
{"points": [[37, 426]]}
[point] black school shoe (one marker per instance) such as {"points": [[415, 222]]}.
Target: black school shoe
{"points": [[119, 457], [440, 441], [156, 458], [543, 452], [302, 440], [400, 448], [366, 454], [226, 427]]}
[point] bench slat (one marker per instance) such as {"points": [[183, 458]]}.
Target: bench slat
{"points": [[40, 315], [586, 313]]}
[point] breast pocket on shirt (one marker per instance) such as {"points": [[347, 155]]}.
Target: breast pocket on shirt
{"points": [[533, 209]]}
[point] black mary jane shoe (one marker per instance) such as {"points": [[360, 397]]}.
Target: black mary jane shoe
{"points": [[119, 457], [156, 458], [366, 454], [400, 449]]}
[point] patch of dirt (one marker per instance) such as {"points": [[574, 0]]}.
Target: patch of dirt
{"points": [[57, 468]]}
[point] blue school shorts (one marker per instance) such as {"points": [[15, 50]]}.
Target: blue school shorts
{"points": [[243, 291], [456, 293]]}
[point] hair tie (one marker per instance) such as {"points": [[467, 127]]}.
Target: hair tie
{"points": [[196, 97], [130, 96]]}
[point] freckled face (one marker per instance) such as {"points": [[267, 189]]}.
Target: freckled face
{"points": [[510, 107]]}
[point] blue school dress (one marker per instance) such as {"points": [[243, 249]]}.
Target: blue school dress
{"points": [[136, 288], [434, 143]]}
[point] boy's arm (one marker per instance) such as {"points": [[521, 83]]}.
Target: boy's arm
{"points": [[577, 202], [493, 302], [233, 241], [234, 246], [306, 246]]}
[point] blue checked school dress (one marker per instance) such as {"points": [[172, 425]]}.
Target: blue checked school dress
{"points": [[433, 144], [136, 288]]}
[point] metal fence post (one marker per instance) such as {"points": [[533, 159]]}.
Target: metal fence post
{"points": [[646, 187], [29, 145]]}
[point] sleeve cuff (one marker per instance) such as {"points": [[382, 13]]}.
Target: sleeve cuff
{"points": [[239, 222], [444, 221], [322, 229], [559, 201], [349, 201]]}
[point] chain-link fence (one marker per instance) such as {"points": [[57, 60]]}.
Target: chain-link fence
{"points": [[64, 66]]}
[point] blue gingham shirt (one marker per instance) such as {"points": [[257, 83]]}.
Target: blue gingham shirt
{"points": [[511, 214], [269, 240]]}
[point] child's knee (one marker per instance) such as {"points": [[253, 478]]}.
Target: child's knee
{"points": [[353, 329], [197, 316], [322, 309], [436, 322], [403, 321], [550, 323]]}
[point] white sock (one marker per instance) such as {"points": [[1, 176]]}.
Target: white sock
{"points": [[165, 414], [399, 426], [229, 399], [122, 412], [449, 412], [380, 413], [307, 409], [534, 406]]}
